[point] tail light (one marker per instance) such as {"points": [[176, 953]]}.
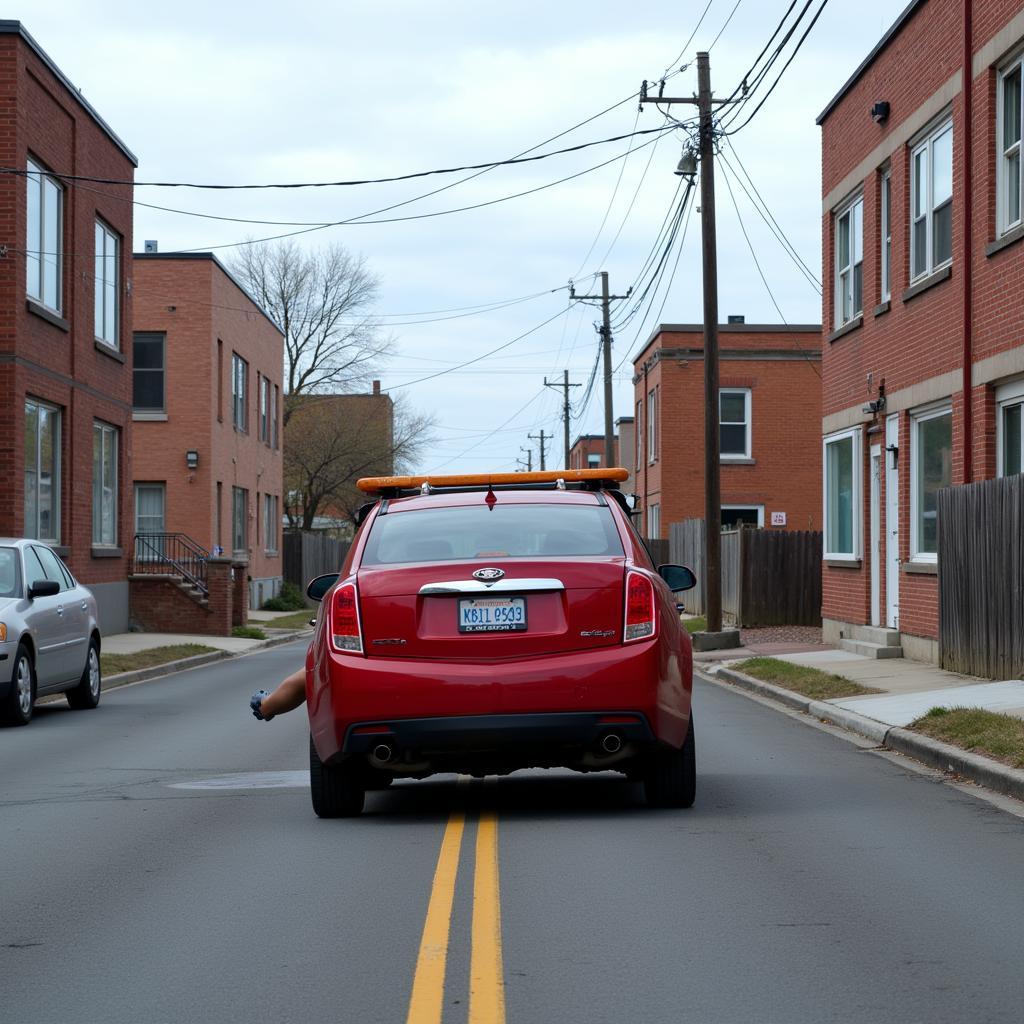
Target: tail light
{"points": [[639, 607], [346, 633]]}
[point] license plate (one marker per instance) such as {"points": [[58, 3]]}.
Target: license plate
{"points": [[492, 614]]}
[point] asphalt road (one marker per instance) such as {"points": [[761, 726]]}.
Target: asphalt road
{"points": [[161, 863]]}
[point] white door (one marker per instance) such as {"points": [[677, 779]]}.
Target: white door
{"points": [[875, 544], [150, 502], [892, 523]]}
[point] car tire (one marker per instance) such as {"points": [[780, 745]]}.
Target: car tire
{"points": [[337, 790], [17, 708], [86, 695], [671, 776]]}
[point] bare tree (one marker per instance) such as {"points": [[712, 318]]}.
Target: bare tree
{"points": [[333, 440], [321, 300]]}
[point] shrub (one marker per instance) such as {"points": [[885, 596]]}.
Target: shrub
{"points": [[249, 633], [290, 599]]}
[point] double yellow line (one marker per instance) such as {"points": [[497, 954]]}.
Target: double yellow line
{"points": [[486, 980]]}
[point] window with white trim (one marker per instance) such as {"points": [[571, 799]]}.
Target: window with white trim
{"points": [[42, 471], [1008, 135], [843, 495], [652, 425], [1009, 434], [885, 234], [105, 289], [45, 235], [734, 426], [104, 484], [240, 520], [931, 468], [733, 516], [849, 261], [271, 523], [239, 392], [593, 460], [274, 427], [931, 202], [653, 521]]}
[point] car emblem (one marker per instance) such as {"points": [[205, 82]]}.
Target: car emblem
{"points": [[489, 575]]}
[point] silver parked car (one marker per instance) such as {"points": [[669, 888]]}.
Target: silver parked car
{"points": [[49, 632]]}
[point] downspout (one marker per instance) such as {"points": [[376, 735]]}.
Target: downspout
{"points": [[968, 192], [643, 449]]}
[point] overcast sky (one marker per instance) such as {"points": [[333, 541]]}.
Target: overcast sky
{"points": [[305, 91]]}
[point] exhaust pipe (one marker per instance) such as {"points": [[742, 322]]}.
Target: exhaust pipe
{"points": [[382, 753], [611, 743]]}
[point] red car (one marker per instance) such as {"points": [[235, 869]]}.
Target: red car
{"points": [[489, 623]]}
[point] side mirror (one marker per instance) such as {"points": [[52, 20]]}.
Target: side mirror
{"points": [[678, 577], [43, 588], [318, 587]]}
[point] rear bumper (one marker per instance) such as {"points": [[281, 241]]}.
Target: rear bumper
{"points": [[550, 701]]}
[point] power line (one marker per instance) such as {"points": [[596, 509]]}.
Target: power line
{"points": [[487, 165], [725, 26], [764, 280], [686, 45]]}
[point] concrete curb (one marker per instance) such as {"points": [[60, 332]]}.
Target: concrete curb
{"points": [[978, 769]]}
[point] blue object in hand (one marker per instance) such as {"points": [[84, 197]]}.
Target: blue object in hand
{"points": [[255, 702]]}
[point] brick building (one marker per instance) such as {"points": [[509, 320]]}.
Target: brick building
{"points": [[921, 184], [207, 408], [587, 452], [770, 395], [65, 325]]}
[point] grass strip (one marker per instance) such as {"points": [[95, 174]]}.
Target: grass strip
{"points": [[248, 633], [112, 664], [976, 730], [811, 682], [697, 625], [300, 620]]}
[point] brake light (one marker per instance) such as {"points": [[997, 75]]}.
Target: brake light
{"points": [[345, 630], [639, 607]]}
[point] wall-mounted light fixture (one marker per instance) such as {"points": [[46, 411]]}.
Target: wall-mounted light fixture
{"points": [[880, 111], [192, 459]]}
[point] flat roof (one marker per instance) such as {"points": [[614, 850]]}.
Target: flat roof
{"points": [[15, 28], [882, 43], [224, 270], [727, 329]]}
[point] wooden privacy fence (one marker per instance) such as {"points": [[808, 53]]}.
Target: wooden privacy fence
{"points": [[769, 577], [658, 550], [981, 578], [307, 555]]}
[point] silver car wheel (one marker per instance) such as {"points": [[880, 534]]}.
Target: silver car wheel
{"points": [[94, 673], [23, 685]]}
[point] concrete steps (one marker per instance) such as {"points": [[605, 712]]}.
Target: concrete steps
{"points": [[873, 642]]}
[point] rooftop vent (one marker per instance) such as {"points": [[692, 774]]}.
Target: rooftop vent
{"points": [[151, 245], [737, 318]]}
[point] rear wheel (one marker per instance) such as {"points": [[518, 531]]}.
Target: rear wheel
{"points": [[86, 694], [670, 779], [337, 790], [17, 708]]}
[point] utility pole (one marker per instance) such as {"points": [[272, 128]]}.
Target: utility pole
{"points": [[541, 439], [712, 464], [529, 458], [605, 330], [565, 385]]}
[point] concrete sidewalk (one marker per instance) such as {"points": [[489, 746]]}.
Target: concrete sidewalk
{"points": [[909, 688]]}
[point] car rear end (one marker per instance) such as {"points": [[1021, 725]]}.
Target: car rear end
{"points": [[487, 630]]}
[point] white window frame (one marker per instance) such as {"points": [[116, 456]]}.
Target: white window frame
{"points": [[846, 264], [109, 435], [917, 417], [271, 523], [275, 439], [38, 256], [654, 521], [747, 422], [33, 530], [640, 427], [239, 393], [885, 234], [1007, 396], [652, 425], [856, 434], [240, 504], [758, 508], [926, 146], [593, 460], [107, 322], [1005, 155]]}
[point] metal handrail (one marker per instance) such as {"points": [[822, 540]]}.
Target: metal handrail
{"points": [[175, 553]]}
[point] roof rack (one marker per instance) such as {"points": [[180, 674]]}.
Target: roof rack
{"points": [[588, 479]]}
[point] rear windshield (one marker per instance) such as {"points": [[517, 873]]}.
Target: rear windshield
{"points": [[504, 531]]}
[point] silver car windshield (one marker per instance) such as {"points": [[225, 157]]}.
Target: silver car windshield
{"points": [[10, 577]]}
